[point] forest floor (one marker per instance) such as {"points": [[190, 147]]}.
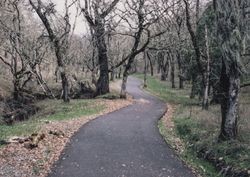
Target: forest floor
{"points": [[37, 143], [193, 132]]}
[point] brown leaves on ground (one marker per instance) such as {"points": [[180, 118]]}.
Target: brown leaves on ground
{"points": [[20, 161], [172, 139], [168, 122]]}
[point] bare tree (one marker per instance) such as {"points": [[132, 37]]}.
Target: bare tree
{"points": [[95, 13], [22, 50], [194, 39], [139, 17], [178, 25], [60, 41]]}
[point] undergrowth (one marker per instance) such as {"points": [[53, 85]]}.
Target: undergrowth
{"points": [[199, 130], [51, 110]]}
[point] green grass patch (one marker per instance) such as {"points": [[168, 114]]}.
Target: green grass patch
{"points": [[58, 110], [164, 92], [199, 129], [51, 110]]}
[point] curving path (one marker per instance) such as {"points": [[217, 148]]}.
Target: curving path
{"points": [[125, 143]]}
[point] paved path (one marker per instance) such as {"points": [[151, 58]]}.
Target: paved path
{"points": [[125, 143]]}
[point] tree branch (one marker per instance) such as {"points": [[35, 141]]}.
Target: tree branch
{"points": [[109, 9]]}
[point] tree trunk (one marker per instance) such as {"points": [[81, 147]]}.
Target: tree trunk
{"points": [[93, 77], [193, 89], [65, 86], [123, 93], [181, 82], [151, 65], [163, 75], [112, 75], [60, 45], [230, 32], [120, 72], [172, 70], [60, 56], [103, 81], [42, 83], [230, 85], [145, 69], [181, 77], [16, 90], [164, 71], [159, 67], [164, 66], [205, 102], [194, 40]]}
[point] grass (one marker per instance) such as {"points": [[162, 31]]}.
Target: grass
{"points": [[199, 129], [51, 110], [163, 91], [58, 110]]}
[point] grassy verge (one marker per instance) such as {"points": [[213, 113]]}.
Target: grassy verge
{"points": [[51, 110], [199, 129]]}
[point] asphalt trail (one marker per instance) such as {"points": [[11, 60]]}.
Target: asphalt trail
{"points": [[125, 143]]}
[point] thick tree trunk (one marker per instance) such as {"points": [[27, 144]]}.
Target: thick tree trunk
{"points": [[230, 85], [230, 32], [163, 75], [64, 78], [164, 66], [181, 82], [60, 55], [93, 77], [123, 93], [16, 90], [103, 81], [65, 86]]}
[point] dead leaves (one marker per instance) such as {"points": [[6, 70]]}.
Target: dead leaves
{"points": [[35, 139], [34, 155]]}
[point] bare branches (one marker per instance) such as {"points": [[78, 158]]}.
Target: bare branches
{"points": [[194, 40], [86, 13], [109, 9], [5, 62], [43, 17]]}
